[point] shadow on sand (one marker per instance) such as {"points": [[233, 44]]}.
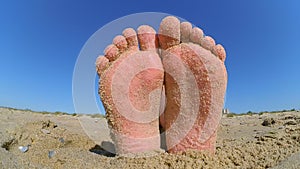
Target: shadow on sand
{"points": [[106, 149]]}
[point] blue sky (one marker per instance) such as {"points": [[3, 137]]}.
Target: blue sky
{"points": [[40, 41]]}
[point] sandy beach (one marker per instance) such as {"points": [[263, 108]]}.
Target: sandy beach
{"points": [[55, 140]]}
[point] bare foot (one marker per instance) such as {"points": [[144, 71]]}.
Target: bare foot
{"points": [[195, 84], [131, 78]]}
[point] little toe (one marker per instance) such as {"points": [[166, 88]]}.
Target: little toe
{"points": [[196, 35], [101, 64], [120, 42], [208, 42], [147, 38], [131, 37], [185, 31], [169, 32], [111, 52], [220, 52]]}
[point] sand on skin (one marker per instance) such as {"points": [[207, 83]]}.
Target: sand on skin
{"points": [[243, 142]]}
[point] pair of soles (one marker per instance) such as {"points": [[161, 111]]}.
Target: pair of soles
{"points": [[178, 71]]}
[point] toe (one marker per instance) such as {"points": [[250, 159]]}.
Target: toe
{"points": [[131, 37], [208, 42], [120, 42], [111, 52], [101, 64], [147, 38], [219, 51], [169, 32], [185, 31], [196, 35]]}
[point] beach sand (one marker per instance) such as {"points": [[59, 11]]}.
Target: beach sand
{"points": [[269, 140]]}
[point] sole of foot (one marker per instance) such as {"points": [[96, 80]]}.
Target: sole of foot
{"points": [[131, 78], [195, 85]]}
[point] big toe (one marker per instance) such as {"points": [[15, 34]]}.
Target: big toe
{"points": [[169, 32], [147, 38]]}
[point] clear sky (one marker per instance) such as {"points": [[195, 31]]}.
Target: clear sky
{"points": [[40, 41]]}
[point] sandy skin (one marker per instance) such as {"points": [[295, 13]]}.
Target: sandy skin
{"points": [[131, 83], [195, 84], [130, 87]]}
